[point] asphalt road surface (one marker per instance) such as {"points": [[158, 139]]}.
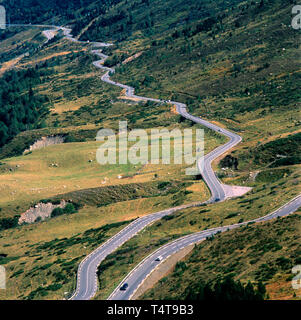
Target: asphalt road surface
{"points": [[87, 285], [87, 279], [136, 277], [86, 276]]}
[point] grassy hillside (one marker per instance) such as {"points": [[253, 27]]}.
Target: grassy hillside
{"points": [[235, 74], [234, 63], [263, 199], [46, 254], [81, 104], [149, 17], [22, 185], [229, 69], [41, 261], [265, 252], [31, 11]]}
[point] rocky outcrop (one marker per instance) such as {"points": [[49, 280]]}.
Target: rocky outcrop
{"points": [[130, 59], [45, 142], [40, 211]]}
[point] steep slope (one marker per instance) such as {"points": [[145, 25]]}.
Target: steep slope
{"points": [[231, 61], [265, 252], [241, 68]]}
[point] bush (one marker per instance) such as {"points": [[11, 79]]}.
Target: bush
{"points": [[54, 287], [168, 217], [229, 162], [57, 212], [8, 223], [284, 263], [231, 215], [163, 185], [226, 290], [69, 209]]}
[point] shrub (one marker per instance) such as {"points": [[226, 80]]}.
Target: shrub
{"points": [[231, 215], [8, 223], [69, 209], [226, 290], [163, 185], [57, 212]]}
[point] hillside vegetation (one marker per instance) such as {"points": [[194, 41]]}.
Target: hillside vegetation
{"points": [[262, 253], [263, 199], [20, 108], [235, 63]]}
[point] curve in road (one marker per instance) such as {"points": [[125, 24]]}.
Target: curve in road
{"points": [[141, 272], [87, 287], [86, 275]]}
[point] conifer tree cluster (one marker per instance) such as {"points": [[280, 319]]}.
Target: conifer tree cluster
{"points": [[20, 108], [227, 290]]}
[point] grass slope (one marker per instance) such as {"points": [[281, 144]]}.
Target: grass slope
{"points": [[234, 63], [264, 252]]}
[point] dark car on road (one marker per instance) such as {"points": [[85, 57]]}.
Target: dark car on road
{"points": [[124, 287]]}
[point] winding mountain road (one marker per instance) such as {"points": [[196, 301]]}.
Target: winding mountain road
{"points": [[137, 276], [86, 276]]}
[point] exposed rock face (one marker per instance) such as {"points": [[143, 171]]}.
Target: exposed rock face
{"points": [[42, 210], [235, 191], [135, 56], [45, 142]]}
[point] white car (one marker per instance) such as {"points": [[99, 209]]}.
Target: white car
{"points": [[159, 258]]}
